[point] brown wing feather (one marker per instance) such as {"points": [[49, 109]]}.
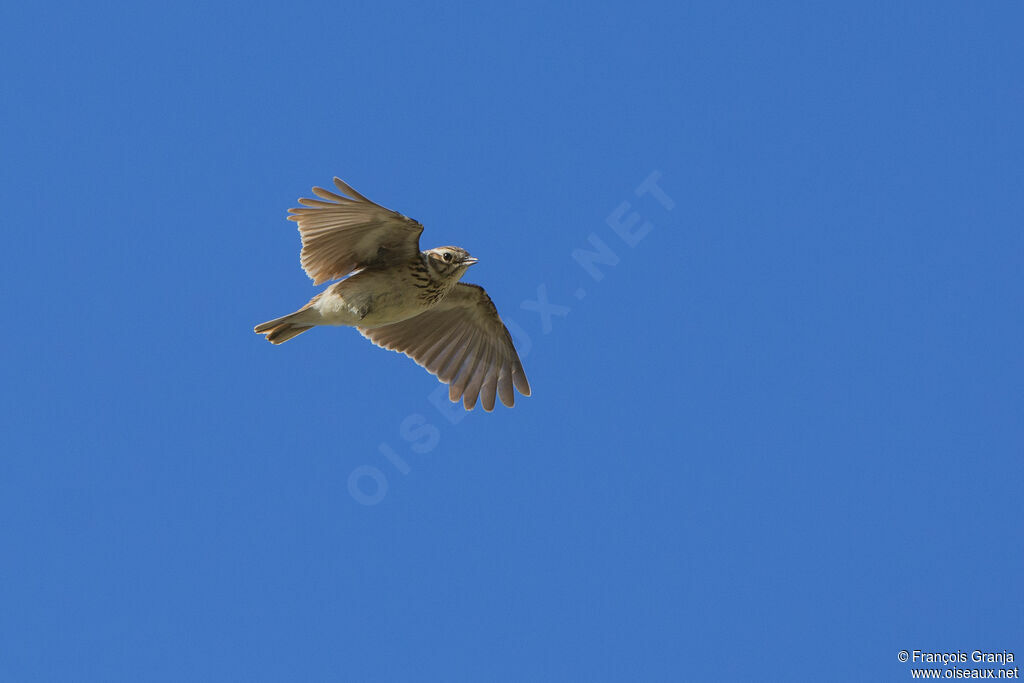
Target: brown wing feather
{"points": [[462, 342], [341, 234]]}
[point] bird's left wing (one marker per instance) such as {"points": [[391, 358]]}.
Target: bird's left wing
{"points": [[344, 232], [462, 341]]}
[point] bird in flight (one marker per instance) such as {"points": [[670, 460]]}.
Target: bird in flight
{"points": [[401, 298]]}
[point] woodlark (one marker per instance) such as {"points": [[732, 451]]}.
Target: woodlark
{"points": [[401, 298]]}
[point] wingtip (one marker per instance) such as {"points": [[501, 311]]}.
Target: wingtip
{"points": [[522, 384]]}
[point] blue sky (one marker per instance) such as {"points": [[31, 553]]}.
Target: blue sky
{"points": [[780, 438]]}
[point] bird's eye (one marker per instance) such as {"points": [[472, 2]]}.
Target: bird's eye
{"points": [[447, 256]]}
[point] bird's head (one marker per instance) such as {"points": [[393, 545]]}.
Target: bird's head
{"points": [[449, 263]]}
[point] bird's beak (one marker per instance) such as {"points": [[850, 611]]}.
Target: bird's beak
{"points": [[469, 260]]}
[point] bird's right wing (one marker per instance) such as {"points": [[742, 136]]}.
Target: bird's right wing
{"points": [[462, 341], [341, 234]]}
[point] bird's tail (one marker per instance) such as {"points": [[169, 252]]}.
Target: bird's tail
{"points": [[280, 330]]}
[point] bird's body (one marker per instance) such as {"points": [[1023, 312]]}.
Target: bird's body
{"points": [[378, 296], [401, 298], [373, 297]]}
